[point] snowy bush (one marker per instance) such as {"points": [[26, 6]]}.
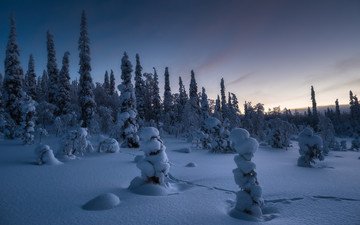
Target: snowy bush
{"points": [[327, 133], [279, 133], [217, 136], [76, 142], [45, 155], [41, 132], [155, 164], [109, 145], [248, 200], [28, 125], [355, 144], [311, 148]]}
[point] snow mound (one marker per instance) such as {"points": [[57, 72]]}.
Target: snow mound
{"points": [[191, 164], [45, 155], [109, 145], [139, 186], [102, 202], [138, 158]]}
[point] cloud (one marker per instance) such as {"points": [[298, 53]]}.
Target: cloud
{"points": [[337, 86], [240, 79]]}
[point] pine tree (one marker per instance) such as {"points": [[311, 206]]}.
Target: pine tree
{"points": [[31, 79], [182, 93], [217, 109], [112, 83], [28, 124], [106, 84], [52, 69], [127, 117], [14, 78], [63, 99], [86, 96], [193, 94], [156, 98]]}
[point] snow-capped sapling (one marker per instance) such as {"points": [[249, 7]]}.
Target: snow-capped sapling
{"points": [[45, 155], [249, 199], [155, 165], [109, 145], [311, 148], [76, 142]]}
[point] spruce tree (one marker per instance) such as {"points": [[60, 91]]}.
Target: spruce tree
{"points": [[52, 69], [182, 93], [31, 79], [337, 108], [86, 96], [193, 94], [168, 101], [112, 83], [14, 78], [127, 117], [139, 88], [63, 99], [44, 84], [223, 97], [156, 98], [106, 84], [205, 109], [314, 108]]}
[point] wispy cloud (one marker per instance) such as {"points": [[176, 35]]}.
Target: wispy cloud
{"points": [[337, 86], [240, 79]]}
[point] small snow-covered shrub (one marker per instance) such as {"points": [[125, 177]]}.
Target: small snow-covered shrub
{"points": [[217, 136], [327, 133], [76, 142], [355, 144], [249, 199], [279, 133], [311, 148], [45, 155], [28, 124], [41, 132], [109, 145], [155, 165]]}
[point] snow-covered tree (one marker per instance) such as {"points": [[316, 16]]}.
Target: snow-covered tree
{"points": [[63, 96], [279, 133], [28, 109], [43, 87], [156, 103], [45, 155], [249, 201], [233, 112], [168, 99], [112, 83], [86, 96], [127, 117], [52, 69], [311, 148], [155, 165], [14, 78], [139, 89], [106, 84], [223, 98], [76, 142], [254, 120], [205, 109], [109, 145], [327, 133], [30, 79], [217, 136], [217, 108]]}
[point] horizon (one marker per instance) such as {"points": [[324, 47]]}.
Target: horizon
{"points": [[252, 44]]}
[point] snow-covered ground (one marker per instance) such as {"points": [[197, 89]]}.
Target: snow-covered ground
{"points": [[33, 194]]}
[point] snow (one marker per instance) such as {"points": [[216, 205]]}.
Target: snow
{"points": [[32, 195], [102, 202], [109, 145]]}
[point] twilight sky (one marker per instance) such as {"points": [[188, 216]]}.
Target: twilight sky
{"points": [[268, 51]]}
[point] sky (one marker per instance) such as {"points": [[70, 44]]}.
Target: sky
{"points": [[267, 51]]}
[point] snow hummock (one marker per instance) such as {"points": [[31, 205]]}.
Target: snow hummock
{"points": [[191, 164], [102, 202], [45, 155]]}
